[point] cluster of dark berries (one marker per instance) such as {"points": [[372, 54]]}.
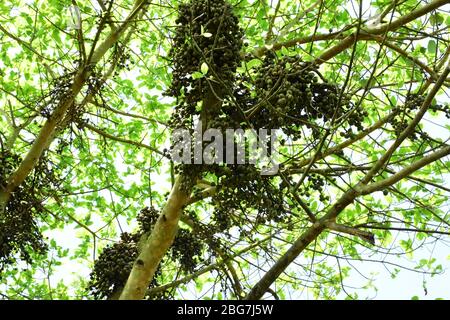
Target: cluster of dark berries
{"points": [[401, 120], [242, 189], [61, 90], [207, 37], [187, 249], [19, 232], [113, 266], [207, 41], [313, 183], [291, 96], [123, 57], [147, 218], [441, 108]]}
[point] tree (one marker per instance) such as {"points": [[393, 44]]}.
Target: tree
{"points": [[91, 98]]}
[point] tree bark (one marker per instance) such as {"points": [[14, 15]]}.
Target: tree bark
{"points": [[156, 245], [164, 232]]}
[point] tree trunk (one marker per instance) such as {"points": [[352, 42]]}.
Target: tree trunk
{"points": [[157, 244]]}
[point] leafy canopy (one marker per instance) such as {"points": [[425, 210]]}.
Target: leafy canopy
{"points": [[90, 92]]}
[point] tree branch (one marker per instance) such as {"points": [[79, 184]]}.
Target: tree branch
{"points": [[404, 173], [300, 164], [409, 130], [196, 227], [278, 268], [156, 245], [209, 192], [368, 226], [46, 135], [347, 198], [206, 269], [348, 41], [130, 142], [364, 235]]}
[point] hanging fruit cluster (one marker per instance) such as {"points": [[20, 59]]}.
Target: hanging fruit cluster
{"points": [[401, 120], [187, 249], [61, 90], [288, 95], [314, 184], [147, 218], [205, 55], [291, 96], [441, 108], [404, 115], [242, 188], [113, 266], [123, 57], [19, 232]]}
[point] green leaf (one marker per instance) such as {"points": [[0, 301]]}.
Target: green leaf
{"points": [[199, 285], [432, 46], [197, 75], [254, 63], [436, 19], [204, 68]]}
